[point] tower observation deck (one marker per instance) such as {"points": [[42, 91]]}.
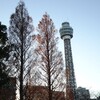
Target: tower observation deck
{"points": [[66, 33]]}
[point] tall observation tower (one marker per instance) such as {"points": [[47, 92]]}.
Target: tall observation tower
{"points": [[66, 33]]}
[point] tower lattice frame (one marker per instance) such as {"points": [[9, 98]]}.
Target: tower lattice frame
{"points": [[66, 33]]}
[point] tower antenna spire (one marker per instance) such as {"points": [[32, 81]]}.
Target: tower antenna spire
{"points": [[66, 33]]}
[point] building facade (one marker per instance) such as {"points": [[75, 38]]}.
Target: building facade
{"points": [[41, 93], [8, 91], [83, 94]]}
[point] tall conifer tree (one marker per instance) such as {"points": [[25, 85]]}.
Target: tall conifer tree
{"points": [[50, 58], [20, 35]]}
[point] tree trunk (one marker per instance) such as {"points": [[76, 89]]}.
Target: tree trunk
{"points": [[21, 69], [49, 76]]}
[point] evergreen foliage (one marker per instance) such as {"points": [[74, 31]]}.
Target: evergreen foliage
{"points": [[4, 55]]}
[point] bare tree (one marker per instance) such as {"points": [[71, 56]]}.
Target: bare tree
{"points": [[96, 95], [20, 35], [50, 60]]}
